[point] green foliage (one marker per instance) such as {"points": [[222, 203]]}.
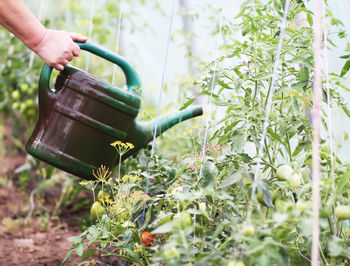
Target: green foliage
{"points": [[203, 219], [198, 210]]}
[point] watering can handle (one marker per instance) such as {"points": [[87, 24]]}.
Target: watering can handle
{"points": [[132, 78]]}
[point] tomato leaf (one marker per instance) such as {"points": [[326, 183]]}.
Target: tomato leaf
{"points": [[79, 249], [165, 228], [230, 179], [67, 256], [264, 189], [75, 239], [188, 103], [345, 68], [88, 253], [304, 74], [210, 172]]}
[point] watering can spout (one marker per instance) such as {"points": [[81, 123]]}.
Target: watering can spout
{"points": [[142, 132], [166, 122]]}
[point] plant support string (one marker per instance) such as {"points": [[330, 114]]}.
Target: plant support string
{"points": [[316, 126], [269, 105], [159, 99], [117, 39], [211, 92]]}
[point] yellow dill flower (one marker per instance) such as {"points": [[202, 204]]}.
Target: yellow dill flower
{"points": [[122, 147], [131, 178], [102, 174], [90, 184], [125, 178], [125, 203]]}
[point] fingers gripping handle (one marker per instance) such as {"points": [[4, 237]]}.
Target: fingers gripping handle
{"points": [[132, 78]]}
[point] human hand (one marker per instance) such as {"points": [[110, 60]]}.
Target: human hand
{"points": [[57, 48]]}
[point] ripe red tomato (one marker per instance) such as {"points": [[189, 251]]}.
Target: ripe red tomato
{"points": [[147, 239]]}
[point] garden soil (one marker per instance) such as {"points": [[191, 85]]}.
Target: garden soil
{"points": [[43, 239]]}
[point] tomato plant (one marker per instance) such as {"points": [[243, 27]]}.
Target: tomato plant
{"points": [[198, 204]]}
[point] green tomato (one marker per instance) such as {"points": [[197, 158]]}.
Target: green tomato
{"points": [[284, 172], [15, 106], [183, 219], [302, 206], [102, 195], [235, 263], [30, 103], [294, 180], [16, 95], [24, 87], [284, 206], [97, 209], [260, 199], [171, 253], [32, 89], [31, 113], [22, 108], [342, 212], [325, 212], [164, 220], [248, 230]]}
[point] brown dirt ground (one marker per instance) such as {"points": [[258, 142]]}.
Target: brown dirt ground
{"points": [[40, 242]]}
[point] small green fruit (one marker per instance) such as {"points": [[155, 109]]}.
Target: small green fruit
{"points": [[342, 212], [171, 254], [325, 212], [16, 95], [248, 230], [284, 172], [24, 87], [103, 195], [302, 206], [22, 108], [165, 219], [259, 197], [15, 106], [97, 209], [31, 113], [30, 103], [235, 263], [294, 180], [183, 219]]}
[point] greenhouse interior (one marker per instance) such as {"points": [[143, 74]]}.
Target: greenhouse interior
{"points": [[175, 132]]}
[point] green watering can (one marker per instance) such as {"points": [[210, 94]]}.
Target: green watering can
{"points": [[83, 115]]}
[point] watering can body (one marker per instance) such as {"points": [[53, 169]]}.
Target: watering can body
{"points": [[83, 115]]}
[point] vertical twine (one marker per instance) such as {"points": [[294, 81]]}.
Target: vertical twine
{"points": [[142, 216], [316, 125], [92, 9], [40, 15], [211, 92], [117, 39], [268, 107]]}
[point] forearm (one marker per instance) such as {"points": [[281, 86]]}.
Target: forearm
{"points": [[17, 18]]}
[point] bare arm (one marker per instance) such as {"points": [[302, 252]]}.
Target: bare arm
{"points": [[56, 48]]}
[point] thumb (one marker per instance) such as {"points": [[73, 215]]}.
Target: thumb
{"points": [[77, 37]]}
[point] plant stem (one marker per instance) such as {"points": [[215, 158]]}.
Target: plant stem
{"points": [[288, 147]]}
